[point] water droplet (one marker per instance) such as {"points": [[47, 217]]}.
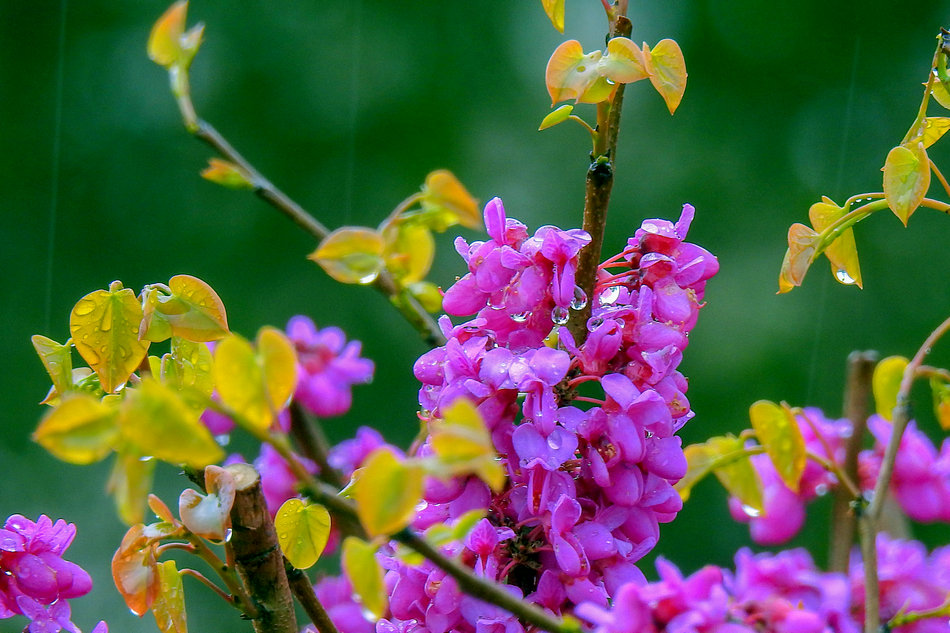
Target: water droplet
{"points": [[750, 511], [228, 533], [368, 279], [146, 458], [496, 304], [609, 295], [84, 307], [593, 324], [579, 302], [648, 434], [559, 315], [223, 439], [521, 317], [821, 490], [843, 276]]}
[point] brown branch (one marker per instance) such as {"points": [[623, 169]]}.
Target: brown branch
{"points": [[257, 555], [303, 591], [313, 444]]}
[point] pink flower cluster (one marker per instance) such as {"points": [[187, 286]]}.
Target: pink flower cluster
{"points": [[782, 592], [35, 580], [586, 431]]}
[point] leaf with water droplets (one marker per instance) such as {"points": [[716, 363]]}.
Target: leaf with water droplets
{"points": [[886, 384], [351, 255], [158, 423], [802, 246], [57, 360], [934, 128], [361, 567], [189, 365], [446, 202], [169, 605], [193, 311], [302, 530], [667, 69], [555, 12], [104, 325], [572, 74], [387, 492], [462, 445], [906, 179], [778, 433], [81, 430], [135, 570], [843, 252], [624, 62], [129, 484]]}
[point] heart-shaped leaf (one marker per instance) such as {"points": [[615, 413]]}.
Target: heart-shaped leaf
{"points": [[802, 245], [351, 255], [886, 384], [572, 74], [387, 492], [906, 179], [81, 430], [365, 574], [57, 359], [667, 69], [624, 62], [555, 11], [843, 252], [778, 433], [302, 530]]}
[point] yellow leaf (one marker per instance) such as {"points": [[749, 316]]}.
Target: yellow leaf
{"points": [[193, 311], [699, 460], [164, 47], [57, 360], [557, 116], [735, 472], [279, 363], [365, 574], [189, 365], [227, 174], [387, 492], [157, 422], [169, 605], [129, 484], [906, 179], [624, 62], [667, 69], [843, 252], [351, 255], [409, 250], [886, 384], [802, 245], [81, 430], [104, 325], [934, 128], [442, 191], [555, 12], [572, 74], [463, 445], [778, 433], [941, 400], [940, 93], [302, 530]]}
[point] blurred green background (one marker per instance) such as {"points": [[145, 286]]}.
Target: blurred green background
{"points": [[347, 104]]}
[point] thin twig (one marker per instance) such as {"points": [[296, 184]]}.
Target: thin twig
{"points": [[210, 585], [313, 443], [303, 590]]}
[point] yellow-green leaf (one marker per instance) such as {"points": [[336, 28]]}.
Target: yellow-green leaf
{"points": [[444, 194], [427, 294], [351, 255], [57, 360], [462, 444], [169, 605], [387, 492], [572, 74], [735, 472], [193, 311], [624, 62], [227, 174], [906, 179], [81, 430], [843, 252], [129, 484], [302, 530], [409, 250], [778, 433], [168, 43], [365, 574], [940, 93], [189, 365], [559, 115], [699, 462], [802, 245], [157, 422], [886, 384], [667, 69], [104, 325], [934, 128], [555, 12], [279, 362], [941, 399]]}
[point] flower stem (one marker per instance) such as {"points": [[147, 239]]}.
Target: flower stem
{"points": [[303, 591]]}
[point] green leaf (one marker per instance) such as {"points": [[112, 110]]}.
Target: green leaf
{"points": [[667, 69], [227, 174], [886, 384], [302, 530], [802, 247], [193, 311], [351, 255], [104, 325], [555, 11], [409, 250], [462, 444], [843, 252], [941, 399], [189, 365], [81, 430], [624, 62], [169, 605], [559, 115], [778, 433], [387, 492], [572, 74], [255, 385], [906, 179], [940, 93], [57, 359], [365, 574], [157, 422], [446, 202], [129, 484]]}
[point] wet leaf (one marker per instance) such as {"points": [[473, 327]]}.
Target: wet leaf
{"points": [[135, 571], [445, 196], [169, 605], [934, 128], [365, 574], [302, 530], [555, 12], [843, 252], [559, 115], [81, 430], [161, 510], [209, 515], [193, 311], [462, 444], [906, 179], [572, 74], [57, 359], [351, 255], [387, 492], [104, 325], [158, 423], [129, 484], [667, 69], [802, 245], [778, 433], [227, 174], [624, 62], [886, 384], [189, 365], [940, 390], [409, 250]]}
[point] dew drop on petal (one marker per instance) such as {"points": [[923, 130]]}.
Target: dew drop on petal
{"points": [[821, 490], [222, 439], [609, 295], [750, 511], [843, 276], [520, 317], [593, 324], [559, 315], [579, 302]]}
